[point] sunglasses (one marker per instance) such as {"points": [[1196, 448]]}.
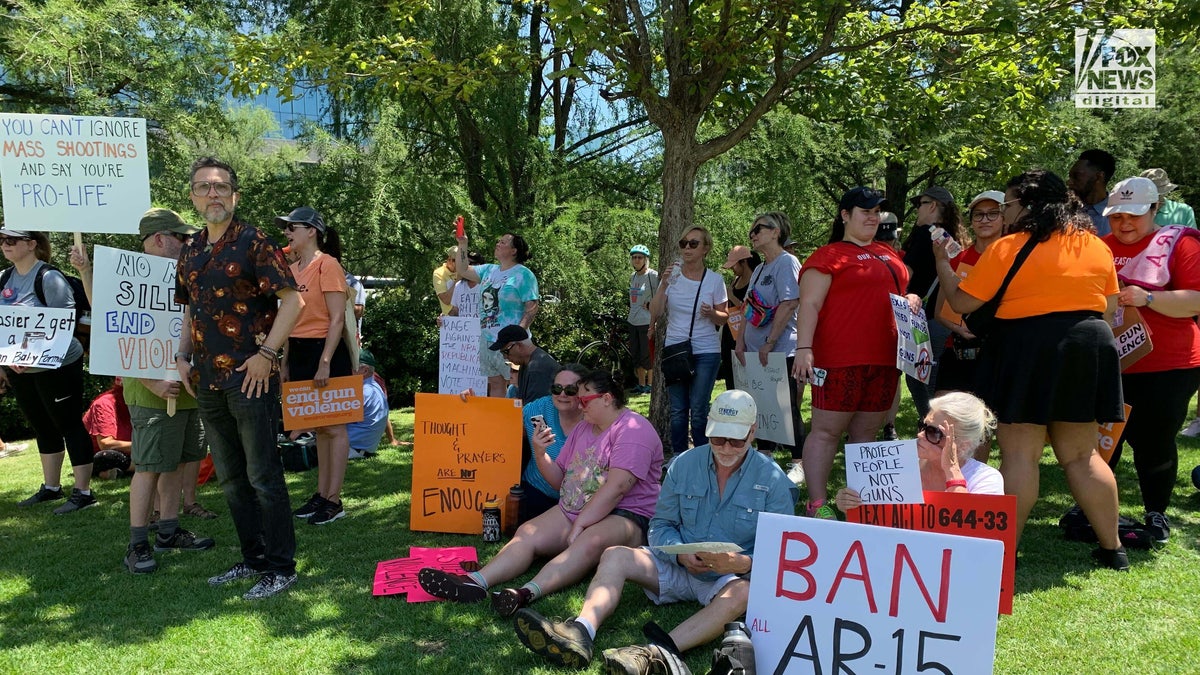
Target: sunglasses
{"points": [[735, 443], [760, 227], [585, 399], [568, 389], [222, 188], [932, 434], [291, 227], [689, 243], [11, 241]]}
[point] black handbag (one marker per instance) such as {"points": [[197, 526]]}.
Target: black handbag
{"points": [[982, 321], [677, 365]]}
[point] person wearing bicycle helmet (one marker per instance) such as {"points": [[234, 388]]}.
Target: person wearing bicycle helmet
{"points": [[642, 285]]}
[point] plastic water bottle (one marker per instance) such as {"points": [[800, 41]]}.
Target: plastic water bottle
{"points": [[939, 234], [736, 643]]}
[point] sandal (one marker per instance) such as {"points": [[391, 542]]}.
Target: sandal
{"points": [[196, 510]]}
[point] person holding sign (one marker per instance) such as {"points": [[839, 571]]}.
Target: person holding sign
{"points": [[607, 478], [1158, 386], [51, 399], [315, 349], [240, 305], [712, 494], [1051, 364]]}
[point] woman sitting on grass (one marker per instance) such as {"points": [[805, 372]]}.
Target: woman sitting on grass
{"points": [[607, 476]]}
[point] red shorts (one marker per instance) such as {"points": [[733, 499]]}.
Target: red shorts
{"points": [[857, 389]]}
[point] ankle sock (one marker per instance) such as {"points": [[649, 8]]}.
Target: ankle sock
{"points": [[478, 579], [587, 625], [56, 488], [86, 492], [535, 591]]}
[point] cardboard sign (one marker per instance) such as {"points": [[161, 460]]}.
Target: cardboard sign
{"points": [[35, 336], [833, 597], [465, 453], [393, 577], [135, 320], [458, 356], [914, 356], [1109, 434], [1133, 336], [769, 386], [968, 515], [69, 173], [306, 407], [885, 472]]}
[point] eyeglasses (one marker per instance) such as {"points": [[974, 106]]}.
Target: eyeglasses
{"points": [[568, 389], [735, 443], [585, 399], [10, 241], [508, 349], [981, 216], [1005, 205], [689, 243], [760, 227], [927, 202], [291, 227], [222, 188], [932, 434]]}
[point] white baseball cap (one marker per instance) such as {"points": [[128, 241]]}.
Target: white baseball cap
{"points": [[1134, 196], [994, 195], [731, 415]]}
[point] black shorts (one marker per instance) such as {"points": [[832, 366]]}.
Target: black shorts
{"points": [[304, 355], [639, 345]]}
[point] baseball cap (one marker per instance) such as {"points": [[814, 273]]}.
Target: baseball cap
{"points": [[16, 234], [994, 195], [509, 334], [935, 192], [735, 254], [305, 215], [1134, 196], [365, 357], [862, 197], [1160, 180], [731, 415], [887, 227], [164, 220]]}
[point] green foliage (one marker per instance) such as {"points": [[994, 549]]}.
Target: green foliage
{"points": [[400, 331]]}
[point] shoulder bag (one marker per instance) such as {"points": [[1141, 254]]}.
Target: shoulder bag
{"points": [[982, 321], [677, 365]]}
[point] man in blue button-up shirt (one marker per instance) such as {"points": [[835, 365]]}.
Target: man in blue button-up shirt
{"points": [[712, 494]]}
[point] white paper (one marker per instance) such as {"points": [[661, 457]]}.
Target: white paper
{"points": [[885, 472], [136, 323]]}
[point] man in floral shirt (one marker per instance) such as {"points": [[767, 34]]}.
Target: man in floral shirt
{"points": [[240, 304]]}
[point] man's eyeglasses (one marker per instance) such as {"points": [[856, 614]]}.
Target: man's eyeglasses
{"points": [[222, 188], [735, 443], [10, 241], [291, 227], [1005, 205], [932, 434], [984, 216], [568, 389], [585, 399], [508, 349], [760, 227], [689, 243]]}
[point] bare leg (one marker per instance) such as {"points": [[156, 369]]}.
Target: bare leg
{"points": [[1021, 447], [1091, 480], [52, 469], [617, 565], [542, 536], [820, 447], [708, 624], [864, 426], [141, 492], [580, 558], [83, 475], [168, 493], [191, 474], [333, 453]]}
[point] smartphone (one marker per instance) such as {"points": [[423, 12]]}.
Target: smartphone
{"points": [[539, 423], [818, 378]]}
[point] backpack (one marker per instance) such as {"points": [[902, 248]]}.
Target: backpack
{"points": [[83, 331]]}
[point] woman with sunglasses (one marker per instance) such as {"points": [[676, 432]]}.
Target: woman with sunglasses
{"points": [[315, 349], [560, 412], [607, 475], [694, 300], [1051, 363], [51, 399]]}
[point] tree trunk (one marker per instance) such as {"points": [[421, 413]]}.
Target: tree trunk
{"points": [[895, 177]]}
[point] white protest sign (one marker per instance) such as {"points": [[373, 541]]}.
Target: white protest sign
{"points": [[769, 386], [913, 353], [135, 320], [458, 356], [833, 597], [885, 472], [69, 173], [35, 336]]}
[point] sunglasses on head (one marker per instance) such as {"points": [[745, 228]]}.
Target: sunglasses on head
{"points": [[735, 443], [689, 243], [932, 434], [568, 389]]}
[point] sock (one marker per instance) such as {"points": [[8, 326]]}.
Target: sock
{"points": [[86, 492], [139, 535], [56, 488], [587, 625], [166, 528], [534, 590], [478, 579]]}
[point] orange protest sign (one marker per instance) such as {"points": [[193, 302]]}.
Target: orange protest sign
{"points": [[464, 454], [736, 319], [1133, 336], [339, 402], [1109, 434]]}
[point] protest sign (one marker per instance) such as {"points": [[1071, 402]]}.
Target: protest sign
{"points": [[961, 513], [1133, 338], [736, 322], [35, 336], [914, 356], [465, 453], [458, 356], [769, 386], [1109, 434], [135, 320], [306, 407], [393, 577], [69, 173], [884, 472], [833, 597]]}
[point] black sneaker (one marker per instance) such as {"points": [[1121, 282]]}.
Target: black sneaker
{"points": [[506, 602], [456, 587], [1158, 526], [182, 540], [76, 502], [238, 571], [566, 645], [1112, 558], [271, 583], [310, 507], [139, 559], [326, 513], [44, 494]]}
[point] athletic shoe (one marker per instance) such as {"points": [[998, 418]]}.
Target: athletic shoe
{"points": [[1192, 430], [76, 502], [566, 645], [796, 473], [456, 587], [310, 507], [182, 540], [239, 571], [642, 660], [889, 432], [1112, 558], [327, 513], [824, 511], [271, 583], [139, 559], [44, 494], [506, 602], [1158, 526], [195, 510]]}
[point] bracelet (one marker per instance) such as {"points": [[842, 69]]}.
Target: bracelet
{"points": [[808, 348], [957, 482], [268, 352], [183, 355]]}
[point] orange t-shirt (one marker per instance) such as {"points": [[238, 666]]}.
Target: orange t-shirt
{"points": [[323, 275], [1066, 273]]}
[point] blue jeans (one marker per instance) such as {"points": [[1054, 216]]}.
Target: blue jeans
{"points": [[241, 433], [689, 401]]}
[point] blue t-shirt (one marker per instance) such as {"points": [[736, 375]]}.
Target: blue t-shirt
{"points": [[365, 435], [543, 406]]}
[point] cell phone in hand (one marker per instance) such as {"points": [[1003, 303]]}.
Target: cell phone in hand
{"points": [[538, 422], [818, 377]]}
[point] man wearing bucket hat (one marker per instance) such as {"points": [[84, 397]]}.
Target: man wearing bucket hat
{"points": [[1170, 212], [718, 483], [643, 283]]}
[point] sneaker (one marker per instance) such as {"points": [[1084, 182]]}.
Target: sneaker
{"points": [[327, 513], [506, 602], [271, 583], [1112, 558], [823, 511], [44, 494], [796, 473], [456, 587], [238, 571], [195, 510], [641, 660], [1158, 526], [566, 645], [889, 432], [76, 502], [310, 507], [1192, 430], [183, 540], [139, 559]]}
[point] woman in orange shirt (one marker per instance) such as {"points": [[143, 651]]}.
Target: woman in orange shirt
{"points": [[315, 350], [1051, 362]]}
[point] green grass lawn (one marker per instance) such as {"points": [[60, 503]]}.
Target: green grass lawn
{"points": [[68, 605]]}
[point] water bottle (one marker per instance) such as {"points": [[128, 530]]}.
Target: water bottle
{"points": [[938, 234], [736, 643], [512, 509], [491, 521]]}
